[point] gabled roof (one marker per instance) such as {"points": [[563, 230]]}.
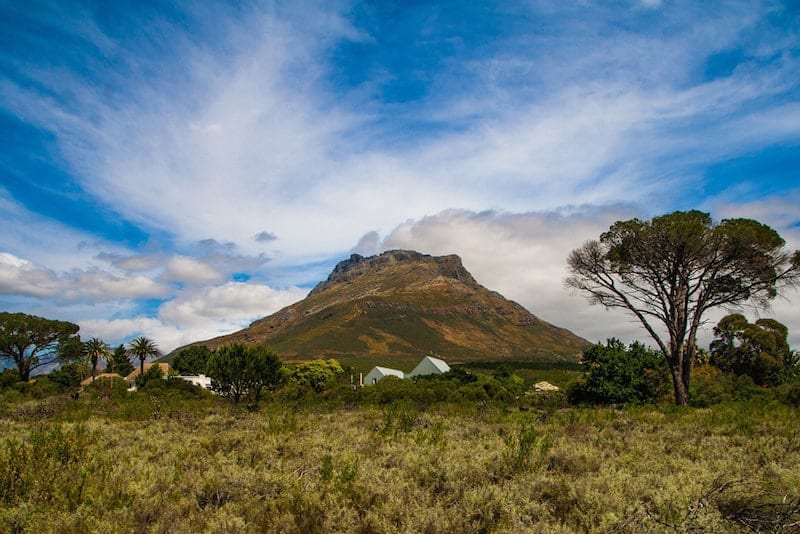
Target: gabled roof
{"points": [[429, 366], [387, 371], [440, 364]]}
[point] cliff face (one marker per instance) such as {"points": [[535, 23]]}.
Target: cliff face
{"points": [[401, 305]]}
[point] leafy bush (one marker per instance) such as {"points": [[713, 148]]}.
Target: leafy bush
{"points": [[316, 374], [616, 375], [789, 393], [711, 386], [107, 388], [8, 378], [153, 372]]}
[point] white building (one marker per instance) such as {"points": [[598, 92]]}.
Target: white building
{"points": [[378, 373], [198, 380], [429, 366]]}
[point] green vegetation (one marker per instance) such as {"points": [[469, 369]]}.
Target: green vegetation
{"points": [[237, 370], [192, 360], [389, 458], [669, 271], [760, 351], [616, 375], [120, 362], [143, 347], [30, 342], [96, 349]]}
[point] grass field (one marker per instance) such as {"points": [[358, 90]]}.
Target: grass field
{"points": [[159, 462]]}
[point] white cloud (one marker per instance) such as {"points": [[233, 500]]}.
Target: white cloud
{"points": [[198, 314], [253, 144], [191, 270], [21, 277], [523, 256]]}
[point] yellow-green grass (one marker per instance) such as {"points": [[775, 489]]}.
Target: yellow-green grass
{"points": [[212, 467]]}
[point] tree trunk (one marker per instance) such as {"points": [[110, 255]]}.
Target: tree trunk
{"points": [[680, 383]]}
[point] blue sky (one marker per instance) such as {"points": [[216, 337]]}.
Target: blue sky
{"points": [[178, 170]]}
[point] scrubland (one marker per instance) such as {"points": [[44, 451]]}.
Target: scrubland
{"points": [[168, 461]]}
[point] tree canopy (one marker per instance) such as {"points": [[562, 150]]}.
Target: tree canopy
{"points": [[32, 342], [192, 360], [669, 271], [759, 350], [143, 347], [95, 349], [239, 369]]}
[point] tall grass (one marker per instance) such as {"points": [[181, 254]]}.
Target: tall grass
{"points": [[161, 462]]}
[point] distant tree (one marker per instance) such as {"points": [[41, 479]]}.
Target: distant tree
{"points": [[238, 369], [670, 270], [264, 368], [68, 377], [316, 374], [616, 375], [759, 350], [32, 342], [143, 347], [120, 361], [95, 350], [192, 360], [227, 367]]}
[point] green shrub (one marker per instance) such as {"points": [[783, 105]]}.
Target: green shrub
{"points": [[711, 386], [789, 393], [106, 388], [616, 375], [153, 372]]}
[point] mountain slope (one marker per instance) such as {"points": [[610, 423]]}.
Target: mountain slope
{"points": [[401, 305]]}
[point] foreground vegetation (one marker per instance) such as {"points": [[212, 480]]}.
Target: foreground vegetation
{"points": [[392, 457]]}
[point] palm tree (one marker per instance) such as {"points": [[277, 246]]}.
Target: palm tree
{"points": [[143, 347], [95, 349]]}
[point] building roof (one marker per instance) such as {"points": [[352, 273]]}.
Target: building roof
{"points": [[89, 380], [163, 365], [386, 371], [429, 365]]}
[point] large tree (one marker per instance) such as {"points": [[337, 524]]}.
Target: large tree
{"points": [[120, 361], [31, 342], [143, 347], [669, 271], [95, 349]]}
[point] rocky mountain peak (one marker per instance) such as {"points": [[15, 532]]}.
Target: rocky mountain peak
{"points": [[358, 266]]}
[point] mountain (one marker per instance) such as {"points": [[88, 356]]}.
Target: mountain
{"points": [[401, 305]]}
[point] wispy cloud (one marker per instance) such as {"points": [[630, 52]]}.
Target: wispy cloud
{"points": [[265, 140]]}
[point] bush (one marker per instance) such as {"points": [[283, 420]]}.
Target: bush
{"points": [[107, 388], [789, 394], [712, 386], [616, 375], [153, 372]]}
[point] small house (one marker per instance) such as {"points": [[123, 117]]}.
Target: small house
{"points": [[202, 381], [131, 378], [378, 373], [429, 366]]}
